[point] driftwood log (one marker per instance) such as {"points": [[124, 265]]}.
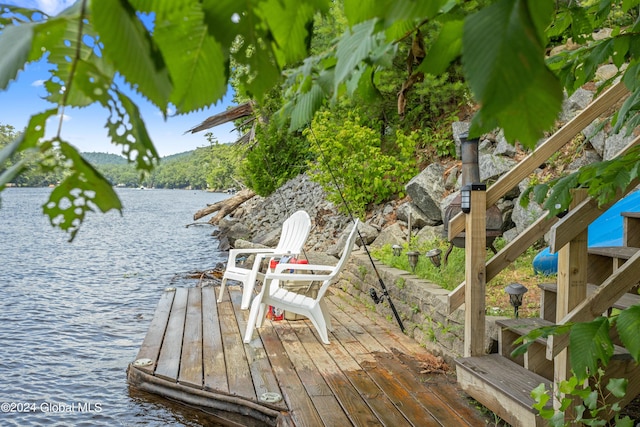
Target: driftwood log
{"points": [[224, 207]]}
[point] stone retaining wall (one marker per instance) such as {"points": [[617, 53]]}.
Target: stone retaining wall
{"points": [[422, 306]]}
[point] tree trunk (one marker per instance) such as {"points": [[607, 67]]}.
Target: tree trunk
{"points": [[224, 207]]}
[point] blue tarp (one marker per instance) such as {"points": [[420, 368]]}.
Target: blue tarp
{"points": [[604, 231]]}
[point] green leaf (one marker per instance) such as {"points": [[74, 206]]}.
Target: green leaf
{"points": [[590, 345], [306, 105], [628, 325], [82, 191], [620, 50], [126, 128], [390, 11], [357, 46], [542, 332], [252, 50], [628, 4], [34, 131], [195, 59], [289, 22], [623, 422], [591, 400], [540, 395], [129, 46], [504, 64], [15, 45], [560, 196], [445, 49], [618, 386]]}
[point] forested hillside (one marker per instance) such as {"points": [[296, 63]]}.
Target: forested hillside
{"points": [[104, 159], [204, 168], [212, 167]]}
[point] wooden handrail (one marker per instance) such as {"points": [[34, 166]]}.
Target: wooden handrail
{"points": [[545, 150], [623, 279]]}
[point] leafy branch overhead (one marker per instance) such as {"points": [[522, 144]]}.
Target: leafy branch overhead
{"points": [[182, 54]]}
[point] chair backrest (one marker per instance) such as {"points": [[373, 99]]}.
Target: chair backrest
{"points": [[295, 231], [346, 252]]}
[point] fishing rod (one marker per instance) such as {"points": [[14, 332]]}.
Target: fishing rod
{"points": [[372, 292]]}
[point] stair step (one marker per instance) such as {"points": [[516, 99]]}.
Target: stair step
{"points": [[550, 290], [621, 252], [502, 386], [630, 214], [535, 359], [523, 326]]}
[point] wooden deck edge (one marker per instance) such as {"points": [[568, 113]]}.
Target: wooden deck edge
{"points": [[204, 399]]}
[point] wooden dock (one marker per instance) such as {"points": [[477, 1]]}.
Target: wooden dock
{"points": [[370, 374]]}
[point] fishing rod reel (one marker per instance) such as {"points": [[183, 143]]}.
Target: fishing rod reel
{"points": [[377, 299]]}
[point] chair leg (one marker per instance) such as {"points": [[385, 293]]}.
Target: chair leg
{"points": [[325, 314], [222, 286], [252, 323], [317, 317], [247, 293]]}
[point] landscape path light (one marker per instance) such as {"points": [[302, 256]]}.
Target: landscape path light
{"points": [[413, 259], [434, 256], [397, 250], [516, 291]]}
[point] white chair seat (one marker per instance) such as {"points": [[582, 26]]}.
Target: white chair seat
{"points": [[279, 297]]}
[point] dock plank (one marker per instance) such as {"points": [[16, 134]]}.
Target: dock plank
{"points": [[351, 401], [150, 348], [264, 381], [238, 372], [301, 405], [402, 398], [169, 359], [386, 411], [213, 364], [316, 387], [191, 362], [387, 336]]}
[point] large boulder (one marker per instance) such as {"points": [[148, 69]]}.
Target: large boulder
{"points": [[391, 235], [418, 218], [427, 189]]}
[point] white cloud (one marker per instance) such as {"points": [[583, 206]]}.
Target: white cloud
{"points": [[53, 7], [38, 83], [56, 118]]}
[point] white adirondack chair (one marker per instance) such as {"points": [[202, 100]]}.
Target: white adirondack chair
{"points": [[279, 297], [295, 231]]}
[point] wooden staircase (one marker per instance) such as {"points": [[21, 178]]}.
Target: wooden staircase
{"points": [[590, 282], [503, 383]]}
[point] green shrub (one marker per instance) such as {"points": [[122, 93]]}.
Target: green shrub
{"points": [[276, 158], [351, 155]]}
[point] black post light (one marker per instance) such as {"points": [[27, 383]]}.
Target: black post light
{"points": [[516, 291], [465, 201], [413, 259], [434, 256]]}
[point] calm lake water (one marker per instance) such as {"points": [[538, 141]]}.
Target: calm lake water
{"points": [[73, 315]]}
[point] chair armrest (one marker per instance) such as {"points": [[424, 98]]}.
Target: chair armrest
{"points": [[295, 276], [297, 267], [233, 253]]}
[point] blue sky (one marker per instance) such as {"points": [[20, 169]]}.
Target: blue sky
{"points": [[84, 128]]}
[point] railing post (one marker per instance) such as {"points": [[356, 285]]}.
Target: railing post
{"points": [[475, 274], [572, 286]]}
